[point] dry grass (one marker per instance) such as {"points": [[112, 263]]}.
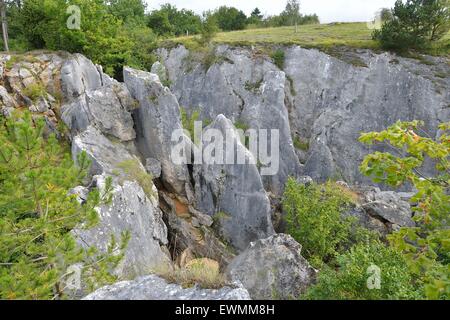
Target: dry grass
{"points": [[203, 272]]}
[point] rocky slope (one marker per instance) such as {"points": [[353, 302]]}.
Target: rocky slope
{"points": [[223, 212]]}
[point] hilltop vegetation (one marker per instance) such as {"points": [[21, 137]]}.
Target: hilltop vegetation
{"points": [[120, 32]]}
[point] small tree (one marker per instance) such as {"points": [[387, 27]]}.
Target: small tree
{"points": [[4, 25], [415, 24], [385, 14], [255, 17], [292, 12], [37, 215], [426, 248], [209, 28]]}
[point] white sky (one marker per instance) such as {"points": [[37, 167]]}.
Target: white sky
{"points": [[328, 10]]}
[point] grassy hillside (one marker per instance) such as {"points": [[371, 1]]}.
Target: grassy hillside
{"points": [[356, 35]]}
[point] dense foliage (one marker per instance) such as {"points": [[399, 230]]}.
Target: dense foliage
{"points": [[37, 216], [358, 267], [111, 33], [316, 219], [229, 18], [414, 264], [170, 21], [415, 24], [426, 248]]}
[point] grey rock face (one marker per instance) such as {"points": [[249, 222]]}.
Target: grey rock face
{"points": [[160, 70], [133, 211], [153, 167], [273, 268], [329, 101], [157, 117], [336, 101], [104, 109], [234, 194], [155, 288], [245, 87], [79, 75], [105, 155], [7, 103], [383, 211]]}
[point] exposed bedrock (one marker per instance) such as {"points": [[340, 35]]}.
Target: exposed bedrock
{"points": [[322, 101]]}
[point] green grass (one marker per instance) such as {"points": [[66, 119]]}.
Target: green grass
{"points": [[317, 35], [133, 171], [320, 36]]}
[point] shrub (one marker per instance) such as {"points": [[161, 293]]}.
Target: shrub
{"points": [[278, 58], [358, 268], [415, 24], [37, 215], [35, 91], [315, 218], [209, 29], [134, 171], [301, 144]]}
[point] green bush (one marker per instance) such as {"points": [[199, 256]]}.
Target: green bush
{"points": [[415, 24], [426, 247], [279, 58], [357, 269], [315, 218]]}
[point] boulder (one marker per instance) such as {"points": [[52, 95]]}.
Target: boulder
{"points": [[233, 194], [273, 268], [155, 288], [7, 103]]}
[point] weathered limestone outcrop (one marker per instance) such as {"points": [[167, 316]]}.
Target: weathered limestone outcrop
{"points": [[156, 118], [107, 108], [273, 268], [104, 154], [336, 101], [155, 288], [244, 86], [320, 102], [93, 98], [233, 194], [329, 100], [134, 211]]}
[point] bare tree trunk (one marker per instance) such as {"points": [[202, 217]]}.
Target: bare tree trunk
{"points": [[4, 24]]}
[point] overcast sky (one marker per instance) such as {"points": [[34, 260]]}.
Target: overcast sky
{"points": [[328, 10]]}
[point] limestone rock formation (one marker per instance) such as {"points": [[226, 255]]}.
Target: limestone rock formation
{"points": [[329, 100], [273, 268], [155, 288], [156, 118], [233, 194], [133, 211]]}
